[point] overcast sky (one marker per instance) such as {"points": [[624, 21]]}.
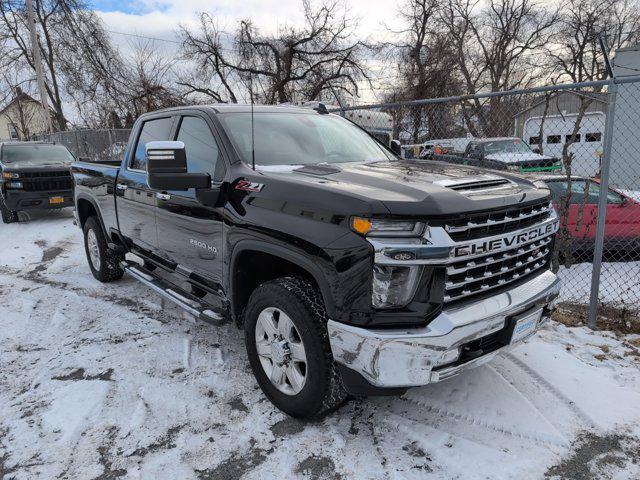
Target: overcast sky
{"points": [[149, 16], [160, 19]]}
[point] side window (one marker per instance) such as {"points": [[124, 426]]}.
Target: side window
{"points": [[554, 139], [200, 146], [473, 149], [152, 130]]}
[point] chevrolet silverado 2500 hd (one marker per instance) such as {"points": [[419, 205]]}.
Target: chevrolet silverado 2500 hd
{"points": [[351, 271], [35, 175]]}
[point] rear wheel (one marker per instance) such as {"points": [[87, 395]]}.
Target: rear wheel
{"points": [[104, 262], [288, 348], [8, 216]]}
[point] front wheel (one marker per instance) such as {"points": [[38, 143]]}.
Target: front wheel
{"points": [[104, 262], [8, 216], [288, 348]]}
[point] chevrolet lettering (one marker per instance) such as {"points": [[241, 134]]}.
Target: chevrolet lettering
{"points": [[498, 244], [345, 277]]}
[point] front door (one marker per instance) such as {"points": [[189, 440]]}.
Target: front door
{"points": [[136, 203], [189, 233]]}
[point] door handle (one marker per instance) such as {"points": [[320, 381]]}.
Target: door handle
{"points": [[121, 186], [163, 196]]}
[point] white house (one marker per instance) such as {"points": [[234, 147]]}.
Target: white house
{"points": [[22, 118]]}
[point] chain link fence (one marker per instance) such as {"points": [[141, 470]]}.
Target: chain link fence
{"points": [[556, 137], [94, 145]]}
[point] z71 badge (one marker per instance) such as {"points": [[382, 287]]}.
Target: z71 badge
{"points": [[249, 186]]}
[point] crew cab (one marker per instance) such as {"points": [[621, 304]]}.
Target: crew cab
{"points": [[35, 175], [351, 271], [505, 153]]}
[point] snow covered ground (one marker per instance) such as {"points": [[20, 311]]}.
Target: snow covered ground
{"points": [[102, 382]]}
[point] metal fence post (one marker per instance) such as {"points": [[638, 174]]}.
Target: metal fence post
{"points": [[602, 205]]}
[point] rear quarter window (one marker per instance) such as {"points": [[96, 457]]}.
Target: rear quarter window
{"points": [[152, 130]]}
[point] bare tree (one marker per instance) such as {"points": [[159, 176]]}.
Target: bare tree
{"points": [[576, 56], [151, 80], [424, 59], [80, 64], [497, 47], [295, 64], [14, 31], [575, 53]]}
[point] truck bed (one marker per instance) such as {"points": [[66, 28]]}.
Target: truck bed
{"points": [[106, 163], [95, 185]]}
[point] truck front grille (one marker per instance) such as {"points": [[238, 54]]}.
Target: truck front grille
{"points": [[46, 181], [478, 225], [470, 277]]}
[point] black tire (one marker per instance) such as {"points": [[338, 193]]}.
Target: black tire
{"points": [[8, 216], [107, 268], [323, 390]]}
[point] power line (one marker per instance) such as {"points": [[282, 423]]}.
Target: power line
{"points": [[145, 37]]}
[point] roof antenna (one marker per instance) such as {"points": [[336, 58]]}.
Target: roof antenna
{"points": [[253, 144]]}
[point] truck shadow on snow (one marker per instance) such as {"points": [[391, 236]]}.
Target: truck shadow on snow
{"points": [[29, 216]]}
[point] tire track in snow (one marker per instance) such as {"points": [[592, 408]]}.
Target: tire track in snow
{"points": [[542, 382], [454, 419]]}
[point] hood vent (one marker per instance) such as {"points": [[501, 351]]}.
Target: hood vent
{"points": [[481, 183], [318, 169]]}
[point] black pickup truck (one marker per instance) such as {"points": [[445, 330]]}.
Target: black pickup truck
{"points": [[350, 270], [35, 175]]}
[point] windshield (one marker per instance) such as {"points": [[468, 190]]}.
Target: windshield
{"points": [[40, 154], [301, 139], [506, 146]]}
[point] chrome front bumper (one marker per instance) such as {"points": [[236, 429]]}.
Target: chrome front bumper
{"points": [[407, 357]]}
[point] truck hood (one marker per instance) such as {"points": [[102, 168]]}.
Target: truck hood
{"points": [[418, 188], [35, 166], [515, 158]]}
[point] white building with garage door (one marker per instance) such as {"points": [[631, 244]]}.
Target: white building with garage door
{"points": [[558, 123], [625, 148]]}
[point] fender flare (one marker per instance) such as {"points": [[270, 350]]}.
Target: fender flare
{"points": [[292, 255], [94, 204]]}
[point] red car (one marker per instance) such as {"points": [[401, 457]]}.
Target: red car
{"points": [[622, 226]]}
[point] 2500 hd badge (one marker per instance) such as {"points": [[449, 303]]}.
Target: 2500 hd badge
{"points": [[510, 241]]}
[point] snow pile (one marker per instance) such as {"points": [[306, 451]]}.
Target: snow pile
{"points": [[102, 381]]}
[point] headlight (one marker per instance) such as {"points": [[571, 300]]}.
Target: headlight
{"points": [[540, 184], [394, 286], [386, 228], [10, 175]]}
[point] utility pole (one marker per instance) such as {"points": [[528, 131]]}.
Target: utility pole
{"points": [[37, 60]]}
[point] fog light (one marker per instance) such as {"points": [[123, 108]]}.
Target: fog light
{"points": [[447, 357], [15, 185], [394, 286]]}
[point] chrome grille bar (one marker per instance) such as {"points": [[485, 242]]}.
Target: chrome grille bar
{"points": [[498, 257], [500, 283], [488, 275], [507, 219]]}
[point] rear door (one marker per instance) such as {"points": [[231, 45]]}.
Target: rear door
{"points": [[189, 233], [581, 218], [136, 202]]}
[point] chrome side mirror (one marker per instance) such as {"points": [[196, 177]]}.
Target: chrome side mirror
{"points": [[166, 157], [167, 168]]}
